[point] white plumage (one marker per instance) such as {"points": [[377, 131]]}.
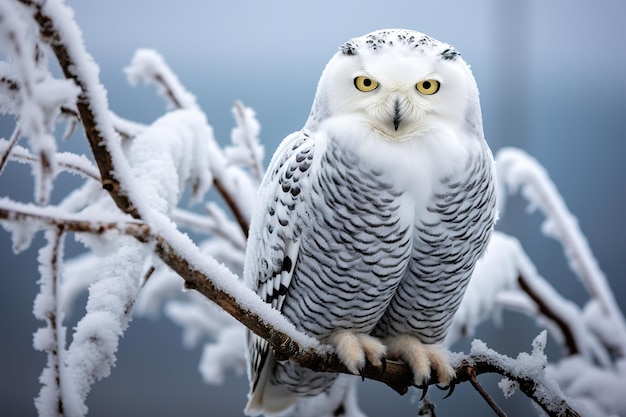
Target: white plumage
{"points": [[370, 219]]}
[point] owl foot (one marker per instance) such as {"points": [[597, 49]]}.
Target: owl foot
{"points": [[354, 349], [421, 358]]}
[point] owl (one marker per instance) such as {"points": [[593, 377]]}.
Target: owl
{"points": [[370, 219]]}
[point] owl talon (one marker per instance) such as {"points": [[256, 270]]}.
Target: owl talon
{"points": [[383, 361], [421, 358], [424, 390], [449, 388]]}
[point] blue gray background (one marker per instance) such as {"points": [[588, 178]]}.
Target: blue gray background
{"points": [[551, 75]]}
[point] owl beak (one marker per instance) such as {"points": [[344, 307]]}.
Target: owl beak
{"points": [[397, 118]]}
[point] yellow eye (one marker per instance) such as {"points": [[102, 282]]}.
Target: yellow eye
{"points": [[365, 84], [428, 87]]}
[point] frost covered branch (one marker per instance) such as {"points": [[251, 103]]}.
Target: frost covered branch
{"points": [[231, 183], [18, 213], [78, 66], [51, 339], [517, 170]]}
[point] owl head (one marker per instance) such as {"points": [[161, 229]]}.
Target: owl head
{"points": [[398, 84]]}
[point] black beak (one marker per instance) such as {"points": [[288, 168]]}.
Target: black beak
{"points": [[397, 118]]}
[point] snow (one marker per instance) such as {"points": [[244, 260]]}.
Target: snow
{"points": [[495, 272], [91, 354], [526, 367], [508, 387], [600, 390], [156, 165], [247, 150], [149, 66], [227, 354], [67, 161], [167, 155], [516, 170], [40, 96], [50, 339]]}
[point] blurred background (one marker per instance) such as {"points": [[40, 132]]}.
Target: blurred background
{"points": [[551, 76]]}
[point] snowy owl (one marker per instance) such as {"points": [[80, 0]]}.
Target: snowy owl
{"points": [[371, 218]]}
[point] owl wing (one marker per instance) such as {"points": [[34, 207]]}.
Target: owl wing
{"points": [[273, 245]]}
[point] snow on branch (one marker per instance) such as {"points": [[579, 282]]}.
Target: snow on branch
{"points": [[59, 30], [51, 339], [66, 161], [517, 170], [232, 183], [247, 150], [149, 66], [39, 99]]}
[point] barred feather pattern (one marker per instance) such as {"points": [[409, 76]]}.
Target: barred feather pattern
{"points": [[446, 246], [332, 252], [353, 253]]}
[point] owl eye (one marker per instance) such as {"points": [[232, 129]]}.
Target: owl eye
{"points": [[365, 84], [428, 87]]}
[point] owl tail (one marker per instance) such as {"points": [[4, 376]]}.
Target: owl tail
{"points": [[266, 398]]}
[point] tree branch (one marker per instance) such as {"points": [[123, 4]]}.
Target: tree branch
{"points": [[397, 375], [483, 393], [10, 145], [21, 212], [551, 314], [74, 69]]}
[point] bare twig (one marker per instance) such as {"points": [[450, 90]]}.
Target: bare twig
{"points": [[483, 393], [547, 310], [12, 142], [232, 205]]}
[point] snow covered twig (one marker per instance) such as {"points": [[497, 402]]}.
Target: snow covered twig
{"points": [[17, 212], [51, 339], [516, 169], [527, 371]]}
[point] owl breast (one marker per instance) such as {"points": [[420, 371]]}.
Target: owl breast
{"points": [[354, 250]]}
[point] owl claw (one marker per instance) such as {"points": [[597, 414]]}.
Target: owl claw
{"points": [[362, 373], [383, 361], [421, 358], [424, 389], [449, 388]]}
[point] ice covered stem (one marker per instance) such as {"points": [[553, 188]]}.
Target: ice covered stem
{"points": [[51, 339]]}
